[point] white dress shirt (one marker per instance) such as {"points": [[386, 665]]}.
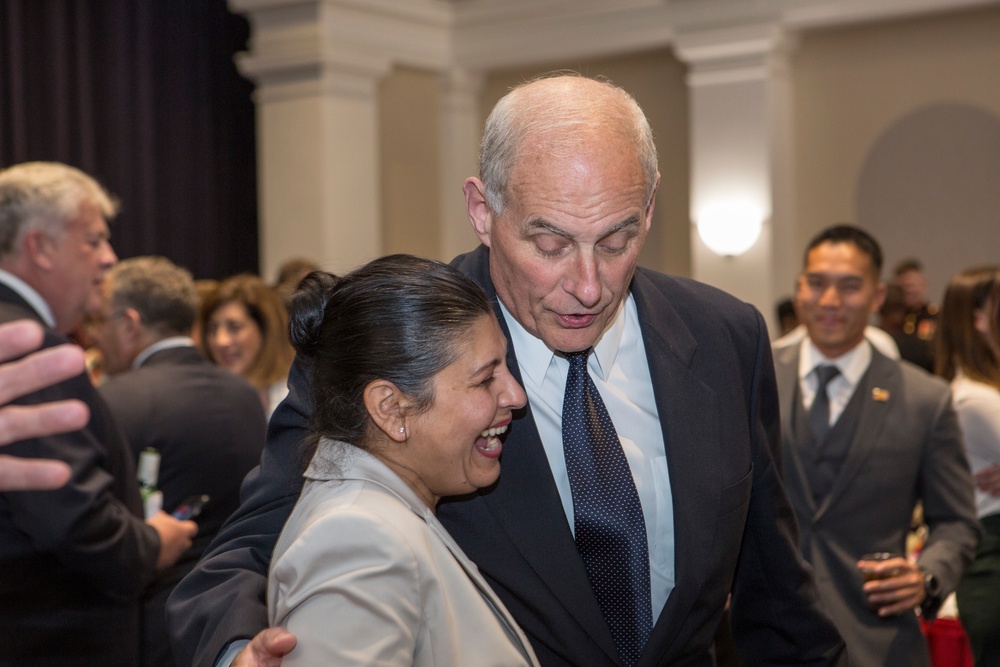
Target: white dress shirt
{"points": [[620, 371], [852, 366]]}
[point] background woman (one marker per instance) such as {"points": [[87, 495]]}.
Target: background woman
{"points": [[968, 354], [244, 328], [412, 393]]}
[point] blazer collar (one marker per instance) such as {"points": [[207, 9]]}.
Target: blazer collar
{"points": [[340, 460]]}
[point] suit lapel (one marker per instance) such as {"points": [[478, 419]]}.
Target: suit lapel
{"points": [[8, 295], [693, 452], [884, 376], [786, 371], [484, 589]]}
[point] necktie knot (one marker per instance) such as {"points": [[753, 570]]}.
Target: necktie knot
{"points": [[824, 374]]}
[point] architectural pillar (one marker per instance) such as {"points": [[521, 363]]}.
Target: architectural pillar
{"points": [[317, 134], [741, 171]]}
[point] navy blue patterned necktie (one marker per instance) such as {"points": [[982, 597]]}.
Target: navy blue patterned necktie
{"points": [[609, 525]]}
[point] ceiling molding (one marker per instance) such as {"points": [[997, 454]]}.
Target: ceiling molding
{"points": [[484, 35]]}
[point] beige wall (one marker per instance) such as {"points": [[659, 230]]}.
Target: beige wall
{"points": [[853, 85]]}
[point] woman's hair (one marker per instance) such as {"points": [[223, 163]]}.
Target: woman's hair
{"points": [[264, 308], [398, 318], [960, 346]]}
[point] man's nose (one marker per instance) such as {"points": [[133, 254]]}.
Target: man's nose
{"points": [[109, 258], [584, 282], [830, 296]]}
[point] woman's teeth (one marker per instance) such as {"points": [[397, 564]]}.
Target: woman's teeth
{"points": [[492, 441]]}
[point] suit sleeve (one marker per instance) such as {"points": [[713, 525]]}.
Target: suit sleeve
{"points": [[348, 588], [776, 614], [948, 502], [91, 525], [223, 599]]}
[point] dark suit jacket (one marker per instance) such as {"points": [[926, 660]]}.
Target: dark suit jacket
{"points": [[711, 367], [907, 447], [74, 561], [208, 425]]}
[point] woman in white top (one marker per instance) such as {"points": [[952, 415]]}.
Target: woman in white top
{"points": [[968, 354], [412, 396]]}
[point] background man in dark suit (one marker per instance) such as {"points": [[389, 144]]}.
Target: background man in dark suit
{"points": [[861, 451], [73, 561], [206, 423], [565, 199]]}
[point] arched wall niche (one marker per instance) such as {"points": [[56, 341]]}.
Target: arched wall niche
{"points": [[929, 188]]}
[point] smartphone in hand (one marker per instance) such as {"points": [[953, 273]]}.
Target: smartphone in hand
{"points": [[190, 507]]}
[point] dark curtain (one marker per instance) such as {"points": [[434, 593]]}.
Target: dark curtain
{"points": [[144, 96]]}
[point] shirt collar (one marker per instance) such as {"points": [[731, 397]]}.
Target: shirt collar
{"points": [[28, 293], [534, 356], [162, 344], [852, 364]]}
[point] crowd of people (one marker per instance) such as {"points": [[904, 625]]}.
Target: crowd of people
{"points": [[538, 454]]}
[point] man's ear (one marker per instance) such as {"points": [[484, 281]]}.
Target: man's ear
{"points": [[132, 322], [479, 211], [880, 291], [39, 249], [387, 406]]}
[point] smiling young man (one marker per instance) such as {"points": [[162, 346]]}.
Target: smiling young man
{"points": [[864, 439], [676, 379]]}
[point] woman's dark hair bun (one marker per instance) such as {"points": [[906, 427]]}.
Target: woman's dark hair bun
{"points": [[307, 308]]}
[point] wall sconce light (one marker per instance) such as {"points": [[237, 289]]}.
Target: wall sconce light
{"points": [[730, 228]]}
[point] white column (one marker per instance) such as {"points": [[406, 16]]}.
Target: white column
{"points": [[741, 141], [461, 130], [317, 135]]}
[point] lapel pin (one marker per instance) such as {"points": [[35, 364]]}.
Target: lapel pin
{"points": [[881, 395]]}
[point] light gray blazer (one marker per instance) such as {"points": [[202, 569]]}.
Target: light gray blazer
{"points": [[907, 447], [364, 574]]}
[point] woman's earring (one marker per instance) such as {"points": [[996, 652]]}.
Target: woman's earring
{"points": [[402, 429]]}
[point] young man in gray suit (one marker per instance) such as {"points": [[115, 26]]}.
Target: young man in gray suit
{"points": [[864, 439]]}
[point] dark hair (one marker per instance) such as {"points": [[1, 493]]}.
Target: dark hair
{"points": [[960, 346], [856, 236], [907, 265], [398, 318]]}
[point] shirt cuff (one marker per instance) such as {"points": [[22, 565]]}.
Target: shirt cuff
{"points": [[226, 659]]}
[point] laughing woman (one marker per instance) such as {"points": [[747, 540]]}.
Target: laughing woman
{"points": [[412, 395]]}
